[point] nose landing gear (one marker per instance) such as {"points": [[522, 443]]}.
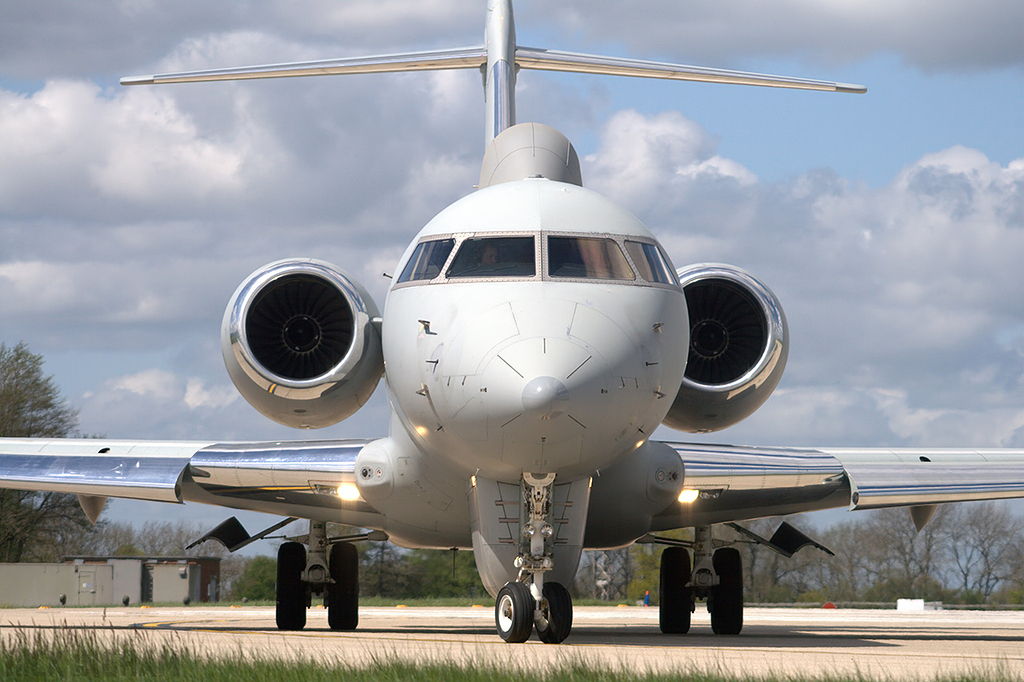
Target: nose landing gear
{"points": [[529, 601]]}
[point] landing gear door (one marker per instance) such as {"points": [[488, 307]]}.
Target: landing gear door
{"points": [[496, 516]]}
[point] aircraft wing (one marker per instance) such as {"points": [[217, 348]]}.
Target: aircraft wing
{"points": [[918, 476], [276, 477], [108, 468], [868, 478], [271, 477]]}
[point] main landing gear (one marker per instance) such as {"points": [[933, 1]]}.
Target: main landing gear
{"points": [[717, 576], [331, 569], [530, 602]]}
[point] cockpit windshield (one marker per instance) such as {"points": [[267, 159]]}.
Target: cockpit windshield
{"points": [[539, 256], [650, 261], [495, 257], [427, 260], [587, 258]]}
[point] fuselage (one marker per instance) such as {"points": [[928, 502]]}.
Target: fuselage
{"points": [[533, 326]]}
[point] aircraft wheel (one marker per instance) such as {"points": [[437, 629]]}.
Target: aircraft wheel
{"points": [[726, 599], [343, 594], [559, 614], [675, 598], [291, 592], [513, 612]]}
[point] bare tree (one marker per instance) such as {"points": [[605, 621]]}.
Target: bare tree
{"points": [[983, 540], [34, 526]]}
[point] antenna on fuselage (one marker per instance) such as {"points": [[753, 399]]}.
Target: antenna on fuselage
{"points": [[498, 59]]}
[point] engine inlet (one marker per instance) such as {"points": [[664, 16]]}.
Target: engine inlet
{"points": [[299, 327], [727, 332]]}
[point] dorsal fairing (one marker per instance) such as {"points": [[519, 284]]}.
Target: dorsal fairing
{"points": [[530, 150]]}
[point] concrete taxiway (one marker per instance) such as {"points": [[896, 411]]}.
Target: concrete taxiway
{"points": [[790, 642]]}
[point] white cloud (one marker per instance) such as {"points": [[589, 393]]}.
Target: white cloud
{"points": [[157, 383], [129, 215], [931, 34], [72, 150], [887, 289], [198, 395], [643, 158]]}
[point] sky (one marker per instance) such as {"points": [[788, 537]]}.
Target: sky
{"points": [[890, 224]]}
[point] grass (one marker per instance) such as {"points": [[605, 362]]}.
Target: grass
{"points": [[76, 655]]}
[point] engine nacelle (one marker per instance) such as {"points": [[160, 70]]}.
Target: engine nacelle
{"points": [[301, 343], [739, 342]]}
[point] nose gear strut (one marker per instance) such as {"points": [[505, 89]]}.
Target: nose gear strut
{"points": [[529, 601]]}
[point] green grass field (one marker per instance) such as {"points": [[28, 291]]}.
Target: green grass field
{"points": [[75, 655]]}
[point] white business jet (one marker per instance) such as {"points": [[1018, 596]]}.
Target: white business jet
{"points": [[534, 337]]}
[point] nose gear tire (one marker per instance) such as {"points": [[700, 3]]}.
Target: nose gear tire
{"points": [[559, 614], [513, 612]]}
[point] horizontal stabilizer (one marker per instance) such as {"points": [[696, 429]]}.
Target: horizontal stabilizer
{"points": [[436, 60], [554, 60], [476, 57]]}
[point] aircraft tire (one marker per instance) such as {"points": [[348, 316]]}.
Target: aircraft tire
{"points": [[513, 612], [726, 603], [559, 614], [675, 603], [343, 593], [291, 593]]}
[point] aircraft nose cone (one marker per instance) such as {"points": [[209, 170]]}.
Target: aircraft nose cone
{"points": [[541, 394]]}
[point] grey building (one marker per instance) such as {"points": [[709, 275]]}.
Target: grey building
{"points": [[104, 581]]}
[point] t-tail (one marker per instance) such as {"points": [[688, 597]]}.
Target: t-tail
{"points": [[498, 59]]}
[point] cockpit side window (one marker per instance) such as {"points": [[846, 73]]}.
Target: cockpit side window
{"points": [[587, 258], [494, 257], [650, 262], [427, 260]]}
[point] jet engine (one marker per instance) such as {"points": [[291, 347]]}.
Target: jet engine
{"points": [[301, 342], [739, 343]]}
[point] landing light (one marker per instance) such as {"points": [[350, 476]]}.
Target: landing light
{"points": [[422, 430], [688, 496], [348, 492]]}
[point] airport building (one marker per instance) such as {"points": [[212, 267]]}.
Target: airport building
{"points": [[115, 580]]}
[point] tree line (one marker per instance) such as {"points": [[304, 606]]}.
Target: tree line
{"points": [[969, 553]]}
